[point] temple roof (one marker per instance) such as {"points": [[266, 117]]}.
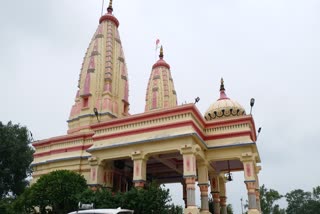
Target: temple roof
{"points": [[103, 81], [160, 90]]}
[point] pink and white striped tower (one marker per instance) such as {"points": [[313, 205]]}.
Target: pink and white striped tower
{"points": [[103, 86], [160, 92]]}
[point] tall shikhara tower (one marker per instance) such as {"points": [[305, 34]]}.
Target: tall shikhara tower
{"points": [[103, 82]]}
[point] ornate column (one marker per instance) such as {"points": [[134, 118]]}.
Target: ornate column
{"points": [[96, 173], [223, 195], [215, 191], [203, 185], [139, 169], [258, 168], [189, 174], [108, 175], [250, 181], [184, 190]]}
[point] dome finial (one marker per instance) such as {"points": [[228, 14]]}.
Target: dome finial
{"points": [[110, 9], [161, 52], [222, 85]]}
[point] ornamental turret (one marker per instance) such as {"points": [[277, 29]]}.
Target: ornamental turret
{"points": [[103, 82], [160, 90], [224, 107]]}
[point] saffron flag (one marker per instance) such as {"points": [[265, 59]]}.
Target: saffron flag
{"points": [[157, 43]]}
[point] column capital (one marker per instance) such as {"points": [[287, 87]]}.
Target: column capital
{"points": [[188, 149], [203, 189], [247, 157], [94, 161], [251, 186], [138, 155]]}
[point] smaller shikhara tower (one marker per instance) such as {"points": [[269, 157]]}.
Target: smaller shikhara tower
{"points": [[160, 90], [103, 86]]}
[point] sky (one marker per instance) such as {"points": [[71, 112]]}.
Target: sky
{"points": [[266, 49]]}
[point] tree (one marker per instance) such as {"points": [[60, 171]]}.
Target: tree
{"points": [[300, 201], [174, 209], [153, 198], [16, 156], [229, 209], [268, 199], [277, 210], [59, 190]]}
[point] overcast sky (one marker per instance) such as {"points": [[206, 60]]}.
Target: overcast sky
{"points": [[266, 49]]}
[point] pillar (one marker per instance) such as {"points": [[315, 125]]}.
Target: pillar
{"points": [[189, 174], [203, 183], [258, 168], [215, 191], [250, 181], [96, 173], [223, 196], [108, 176], [139, 169], [184, 190]]}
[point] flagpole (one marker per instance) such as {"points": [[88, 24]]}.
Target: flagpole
{"points": [[102, 7], [155, 52]]}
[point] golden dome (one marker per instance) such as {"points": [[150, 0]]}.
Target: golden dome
{"points": [[224, 107]]}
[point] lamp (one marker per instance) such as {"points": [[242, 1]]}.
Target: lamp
{"points": [[229, 175], [197, 99], [95, 110], [259, 130], [252, 100]]}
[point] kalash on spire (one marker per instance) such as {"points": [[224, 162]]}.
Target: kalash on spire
{"points": [[103, 82]]}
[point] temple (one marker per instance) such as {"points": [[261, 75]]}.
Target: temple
{"points": [[168, 143]]}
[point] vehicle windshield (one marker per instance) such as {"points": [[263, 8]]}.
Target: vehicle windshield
{"points": [[120, 212]]}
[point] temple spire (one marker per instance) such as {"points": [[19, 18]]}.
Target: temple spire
{"points": [[161, 52], [160, 90], [222, 85], [222, 89], [110, 9]]}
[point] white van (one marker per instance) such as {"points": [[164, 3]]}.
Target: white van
{"points": [[104, 211]]}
